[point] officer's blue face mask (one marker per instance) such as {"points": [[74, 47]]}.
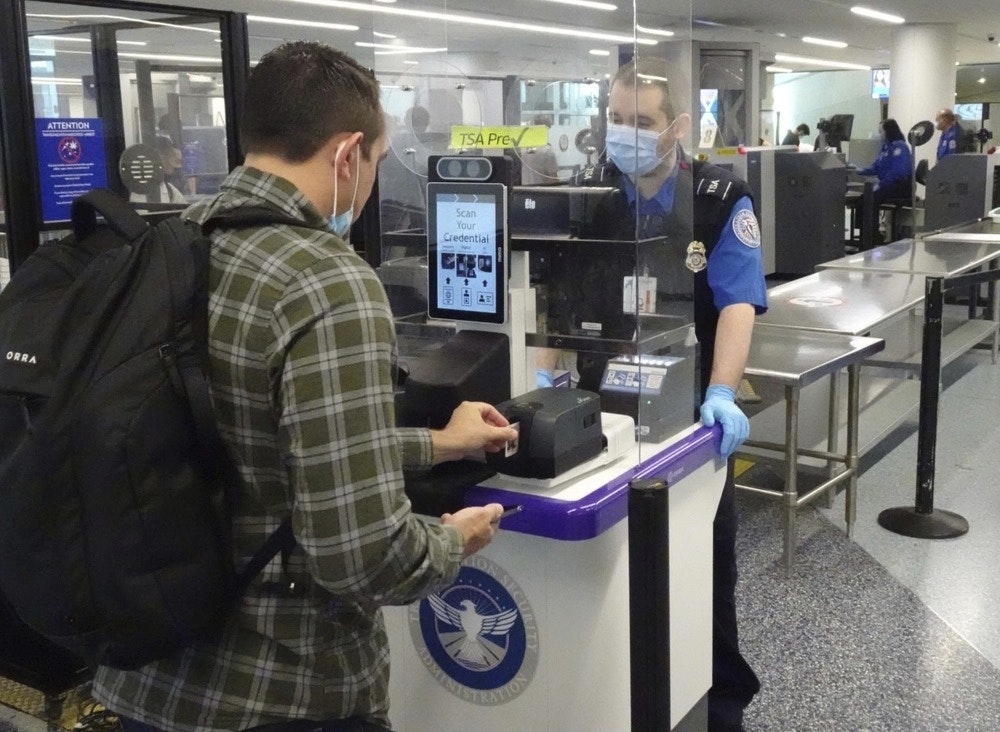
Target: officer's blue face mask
{"points": [[634, 151], [340, 224]]}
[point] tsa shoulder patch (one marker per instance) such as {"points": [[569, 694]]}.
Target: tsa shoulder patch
{"points": [[746, 229]]}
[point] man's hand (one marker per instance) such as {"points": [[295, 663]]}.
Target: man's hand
{"points": [[473, 426], [478, 525], [720, 405]]}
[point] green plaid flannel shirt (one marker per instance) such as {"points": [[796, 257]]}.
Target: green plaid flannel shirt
{"points": [[301, 343]]}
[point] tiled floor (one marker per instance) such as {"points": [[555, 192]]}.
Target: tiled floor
{"points": [[885, 632]]}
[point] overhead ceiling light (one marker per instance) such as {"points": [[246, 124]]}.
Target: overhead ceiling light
{"points": [[382, 35], [789, 59], [399, 48], [61, 81], [654, 31], [302, 23], [93, 16], [823, 42], [778, 70], [653, 77], [411, 63], [479, 20], [585, 4], [981, 80], [71, 39], [877, 15], [172, 57], [599, 52]]}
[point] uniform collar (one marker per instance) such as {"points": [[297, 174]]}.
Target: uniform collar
{"points": [[663, 202]]}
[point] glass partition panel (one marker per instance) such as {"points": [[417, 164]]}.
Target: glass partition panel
{"points": [[127, 100], [531, 83]]}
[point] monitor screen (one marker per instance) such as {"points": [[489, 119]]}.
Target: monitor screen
{"points": [[880, 83], [841, 126], [972, 112], [561, 211], [467, 251]]}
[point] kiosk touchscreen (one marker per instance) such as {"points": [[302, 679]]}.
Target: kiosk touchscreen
{"points": [[467, 251]]}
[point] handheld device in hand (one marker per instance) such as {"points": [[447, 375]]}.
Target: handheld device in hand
{"points": [[511, 510]]}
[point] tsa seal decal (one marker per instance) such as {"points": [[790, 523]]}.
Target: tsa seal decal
{"points": [[478, 637], [746, 229]]}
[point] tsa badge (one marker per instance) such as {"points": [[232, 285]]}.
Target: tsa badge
{"points": [[696, 260]]}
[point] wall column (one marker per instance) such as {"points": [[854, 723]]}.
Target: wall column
{"points": [[922, 76]]}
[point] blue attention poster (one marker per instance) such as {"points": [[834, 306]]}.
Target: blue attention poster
{"points": [[70, 162]]}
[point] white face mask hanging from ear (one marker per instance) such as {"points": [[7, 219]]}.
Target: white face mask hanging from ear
{"points": [[340, 224]]}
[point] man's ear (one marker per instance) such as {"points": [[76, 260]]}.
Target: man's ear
{"points": [[682, 126], [344, 149]]}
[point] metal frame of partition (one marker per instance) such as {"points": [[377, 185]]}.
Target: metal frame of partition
{"points": [[17, 135]]}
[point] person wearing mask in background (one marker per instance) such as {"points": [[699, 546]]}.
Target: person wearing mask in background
{"points": [[950, 129], [893, 167], [301, 343], [794, 137], [709, 258]]}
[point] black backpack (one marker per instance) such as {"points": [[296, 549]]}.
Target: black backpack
{"points": [[114, 484]]}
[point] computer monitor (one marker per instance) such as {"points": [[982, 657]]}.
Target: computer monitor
{"points": [[841, 126], [560, 211], [970, 112], [880, 83]]}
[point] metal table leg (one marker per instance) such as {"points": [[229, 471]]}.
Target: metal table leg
{"points": [[832, 433], [791, 493], [853, 401]]}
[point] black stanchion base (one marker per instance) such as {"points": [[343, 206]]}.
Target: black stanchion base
{"points": [[934, 525]]}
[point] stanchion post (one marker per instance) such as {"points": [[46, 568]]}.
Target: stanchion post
{"points": [[649, 604], [921, 520]]}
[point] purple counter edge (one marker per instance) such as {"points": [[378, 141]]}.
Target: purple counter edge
{"points": [[597, 512]]}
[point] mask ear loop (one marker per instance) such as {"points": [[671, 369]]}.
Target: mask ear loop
{"points": [[673, 148], [357, 177], [336, 178]]}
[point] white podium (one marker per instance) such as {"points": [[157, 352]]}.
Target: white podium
{"points": [[534, 634]]}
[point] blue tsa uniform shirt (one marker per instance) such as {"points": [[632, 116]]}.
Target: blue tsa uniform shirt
{"points": [[735, 269], [892, 165], [948, 144]]}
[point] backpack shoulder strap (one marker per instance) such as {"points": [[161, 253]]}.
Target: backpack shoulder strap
{"points": [[120, 216]]}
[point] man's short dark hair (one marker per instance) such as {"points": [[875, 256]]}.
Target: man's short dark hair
{"points": [[301, 94], [648, 71], [803, 129]]}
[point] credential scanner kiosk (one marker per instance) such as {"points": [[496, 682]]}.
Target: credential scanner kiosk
{"points": [[535, 632]]}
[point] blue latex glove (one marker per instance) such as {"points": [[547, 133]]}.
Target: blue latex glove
{"points": [[720, 406], [543, 377]]}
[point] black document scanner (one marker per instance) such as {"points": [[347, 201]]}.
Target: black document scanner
{"points": [[558, 429]]}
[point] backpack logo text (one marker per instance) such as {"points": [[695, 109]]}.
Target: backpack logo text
{"points": [[18, 357]]}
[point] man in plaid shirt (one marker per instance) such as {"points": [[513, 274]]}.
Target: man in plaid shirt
{"points": [[301, 342]]}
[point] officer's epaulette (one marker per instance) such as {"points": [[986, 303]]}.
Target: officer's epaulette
{"points": [[718, 187]]}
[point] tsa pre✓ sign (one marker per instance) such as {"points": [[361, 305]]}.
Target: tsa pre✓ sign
{"points": [[71, 162]]}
